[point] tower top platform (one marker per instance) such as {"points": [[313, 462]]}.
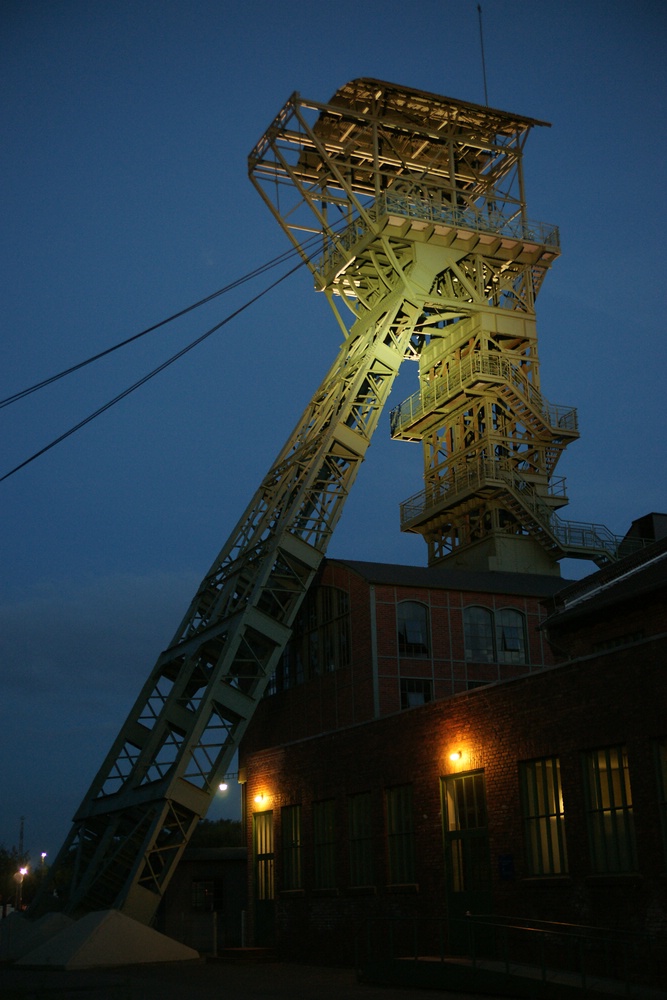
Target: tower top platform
{"points": [[423, 109]]}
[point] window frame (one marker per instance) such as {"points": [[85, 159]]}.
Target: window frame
{"points": [[409, 626], [400, 834], [291, 848], [361, 840], [609, 811], [324, 844], [543, 816]]}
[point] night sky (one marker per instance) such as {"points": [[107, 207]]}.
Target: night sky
{"points": [[126, 129]]}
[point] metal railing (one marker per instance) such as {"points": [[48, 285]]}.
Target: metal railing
{"points": [[410, 207], [575, 538], [481, 364], [543, 952]]}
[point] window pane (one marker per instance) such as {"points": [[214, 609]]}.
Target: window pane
{"points": [[510, 636], [400, 835], [413, 630], [543, 817], [320, 641], [291, 846], [478, 631], [263, 845], [324, 844], [415, 691], [361, 840], [611, 821]]}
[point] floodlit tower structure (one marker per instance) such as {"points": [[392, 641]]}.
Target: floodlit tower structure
{"points": [[409, 210]]}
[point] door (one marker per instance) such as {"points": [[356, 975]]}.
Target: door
{"points": [[467, 861], [264, 883]]}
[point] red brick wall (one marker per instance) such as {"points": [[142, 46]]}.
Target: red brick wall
{"points": [[347, 696], [620, 697]]}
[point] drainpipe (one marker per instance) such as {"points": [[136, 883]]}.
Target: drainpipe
{"points": [[374, 656]]}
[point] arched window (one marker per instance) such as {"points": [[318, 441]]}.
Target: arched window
{"points": [[478, 634], [498, 637], [413, 630], [510, 636]]}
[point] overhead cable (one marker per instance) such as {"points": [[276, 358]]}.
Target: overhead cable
{"points": [[286, 255], [150, 375]]}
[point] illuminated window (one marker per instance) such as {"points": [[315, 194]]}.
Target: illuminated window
{"points": [[415, 691], [543, 817], [324, 844], [494, 637], [610, 818], [413, 630], [361, 839], [263, 855], [400, 835], [290, 822]]}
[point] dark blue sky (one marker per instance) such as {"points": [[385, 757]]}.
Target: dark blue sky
{"points": [[126, 128]]}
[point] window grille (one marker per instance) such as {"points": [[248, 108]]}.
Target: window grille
{"points": [[413, 629], [290, 818], [400, 835], [264, 859], [494, 637], [361, 839], [324, 844], [543, 817], [661, 766], [415, 691], [610, 817], [478, 633]]}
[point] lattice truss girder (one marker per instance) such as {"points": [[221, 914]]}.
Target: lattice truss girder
{"points": [[331, 160], [327, 172], [183, 730]]}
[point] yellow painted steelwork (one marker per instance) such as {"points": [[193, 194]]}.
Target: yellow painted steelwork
{"points": [[409, 211]]}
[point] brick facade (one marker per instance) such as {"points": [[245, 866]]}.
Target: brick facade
{"points": [[598, 698]]}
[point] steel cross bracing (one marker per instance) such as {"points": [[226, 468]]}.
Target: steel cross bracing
{"points": [[180, 736]]}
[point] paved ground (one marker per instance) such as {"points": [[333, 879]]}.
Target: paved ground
{"points": [[204, 981]]}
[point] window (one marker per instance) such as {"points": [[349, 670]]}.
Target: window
{"points": [[324, 844], [290, 818], [610, 818], [320, 642], [543, 817], [494, 637], [478, 631], [361, 839], [415, 691], [510, 636], [413, 630], [400, 835], [661, 763], [206, 895], [263, 850]]}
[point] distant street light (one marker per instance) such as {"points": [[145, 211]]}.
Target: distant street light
{"points": [[18, 878]]}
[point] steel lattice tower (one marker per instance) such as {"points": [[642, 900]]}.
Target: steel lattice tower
{"points": [[409, 211]]}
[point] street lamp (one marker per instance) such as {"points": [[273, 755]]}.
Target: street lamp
{"points": [[18, 897]]}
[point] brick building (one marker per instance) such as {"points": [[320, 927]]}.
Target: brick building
{"points": [[439, 743]]}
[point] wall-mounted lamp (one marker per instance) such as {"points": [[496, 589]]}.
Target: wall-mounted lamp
{"points": [[223, 786], [261, 799], [456, 755]]}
